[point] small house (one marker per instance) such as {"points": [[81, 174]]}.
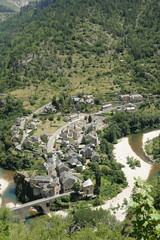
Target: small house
{"points": [[130, 109], [49, 109], [136, 97], [62, 167], [16, 138], [125, 98], [91, 138], [107, 106], [75, 163], [32, 125], [95, 157], [67, 181], [17, 122], [34, 138], [87, 151], [87, 187], [15, 128]]}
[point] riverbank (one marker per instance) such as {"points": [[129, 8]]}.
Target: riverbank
{"points": [[121, 151], [3, 186], [149, 136]]}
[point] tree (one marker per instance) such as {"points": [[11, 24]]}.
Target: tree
{"points": [[76, 187], [146, 219], [90, 119]]}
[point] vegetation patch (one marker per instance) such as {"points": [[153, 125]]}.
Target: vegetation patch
{"points": [[153, 149], [133, 162]]}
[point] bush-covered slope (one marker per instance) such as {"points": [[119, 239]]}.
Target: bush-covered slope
{"points": [[90, 46]]}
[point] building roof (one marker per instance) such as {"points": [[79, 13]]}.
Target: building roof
{"points": [[75, 162], [62, 165], [66, 175], [41, 178], [87, 183]]}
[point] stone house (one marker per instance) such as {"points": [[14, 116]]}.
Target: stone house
{"points": [[49, 109], [34, 180], [107, 106], [87, 151], [15, 128], [62, 167], [34, 138], [54, 160], [75, 134], [72, 154], [131, 97], [69, 132], [16, 138], [67, 181], [75, 163], [87, 187], [136, 97], [50, 169], [125, 98], [129, 109], [44, 186], [91, 138], [95, 157], [17, 122], [32, 125]]}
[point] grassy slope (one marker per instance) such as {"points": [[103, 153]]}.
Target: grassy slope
{"points": [[92, 47]]}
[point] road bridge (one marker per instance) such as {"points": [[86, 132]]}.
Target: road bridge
{"points": [[43, 205]]}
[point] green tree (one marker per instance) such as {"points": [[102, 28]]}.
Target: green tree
{"points": [[76, 187], [146, 219], [89, 118]]}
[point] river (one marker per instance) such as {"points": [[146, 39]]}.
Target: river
{"points": [[135, 141], [8, 196]]}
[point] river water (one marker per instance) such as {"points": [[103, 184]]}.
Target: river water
{"points": [[8, 196], [135, 141]]}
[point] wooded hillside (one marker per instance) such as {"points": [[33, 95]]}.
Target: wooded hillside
{"points": [[82, 46]]}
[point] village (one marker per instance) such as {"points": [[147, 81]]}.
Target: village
{"points": [[67, 150]]}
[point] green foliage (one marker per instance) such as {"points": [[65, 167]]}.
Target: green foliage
{"points": [[89, 118], [12, 110], [90, 218], [76, 187], [146, 219], [123, 123], [133, 162], [156, 191], [126, 32], [82, 225], [153, 149]]}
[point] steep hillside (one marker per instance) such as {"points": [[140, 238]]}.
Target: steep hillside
{"points": [[81, 46]]}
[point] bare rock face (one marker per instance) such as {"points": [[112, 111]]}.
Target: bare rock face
{"points": [[17, 4]]}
